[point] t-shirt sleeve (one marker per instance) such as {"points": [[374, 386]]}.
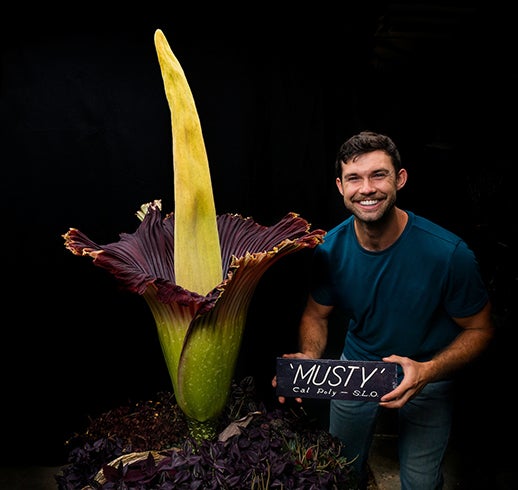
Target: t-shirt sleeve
{"points": [[466, 291], [321, 288]]}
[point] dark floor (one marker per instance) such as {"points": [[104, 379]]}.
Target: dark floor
{"points": [[477, 457], [28, 478], [459, 474], [473, 460]]}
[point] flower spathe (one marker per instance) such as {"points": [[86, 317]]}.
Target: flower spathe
{"points": [[196, 270], [200, 335]]}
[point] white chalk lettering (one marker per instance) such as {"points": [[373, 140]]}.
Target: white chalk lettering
{"points": [[298, 389], [334, 376], [330, 393], [364, 394]]}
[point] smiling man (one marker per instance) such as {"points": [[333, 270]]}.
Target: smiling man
{"points": [[413, 295]]}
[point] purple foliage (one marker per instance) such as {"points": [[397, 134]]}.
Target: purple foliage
{"points": [[279, 449]]}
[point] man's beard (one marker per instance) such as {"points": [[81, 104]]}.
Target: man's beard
{"points": [[380, 216]]}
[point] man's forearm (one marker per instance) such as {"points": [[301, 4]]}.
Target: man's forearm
{"points": [[468, 345], [312, 337]]}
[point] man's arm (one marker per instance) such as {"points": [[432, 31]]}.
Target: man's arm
{"points": [[312, 335], [313, 329], [478, 332]]}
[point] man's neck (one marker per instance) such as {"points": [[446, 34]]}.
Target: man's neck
{"points": [[381, 234]]}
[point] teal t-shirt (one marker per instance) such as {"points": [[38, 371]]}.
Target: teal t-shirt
{"points": [[400, 300]]}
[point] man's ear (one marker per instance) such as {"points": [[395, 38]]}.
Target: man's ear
{"points": [[339, 185], [402, 177]]}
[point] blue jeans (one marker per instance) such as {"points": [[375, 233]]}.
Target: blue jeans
{"points": [[424, 425]]}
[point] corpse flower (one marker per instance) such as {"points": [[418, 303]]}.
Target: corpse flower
{"points": [[196, 270]]}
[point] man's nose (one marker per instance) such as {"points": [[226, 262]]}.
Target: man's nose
{"points": [[366, 186]]}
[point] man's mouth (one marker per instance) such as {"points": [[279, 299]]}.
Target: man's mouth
{"points": [[369, 202]]}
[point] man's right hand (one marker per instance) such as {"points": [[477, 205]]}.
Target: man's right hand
{"points": [[297, 355]]}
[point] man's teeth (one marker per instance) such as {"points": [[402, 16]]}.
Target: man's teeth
{"points": [[370, 202]]}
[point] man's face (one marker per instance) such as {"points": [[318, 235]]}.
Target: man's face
{"points": [[369, 185]]}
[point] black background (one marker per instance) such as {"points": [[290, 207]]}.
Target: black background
{"points": [[86, 139]]}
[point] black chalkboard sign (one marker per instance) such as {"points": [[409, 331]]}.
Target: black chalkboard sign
{"points": [[328, 378]]}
